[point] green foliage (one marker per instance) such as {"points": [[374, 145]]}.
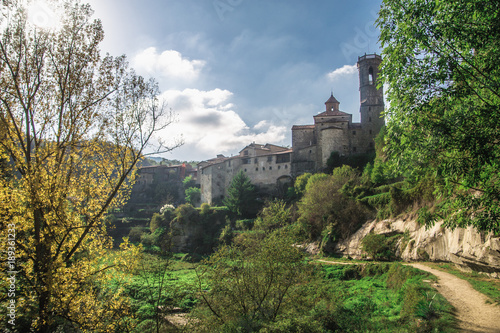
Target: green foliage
{"points": [[380, 246], [205, 208], [241, 196], [193, 195], [226, 235], [299, 186], [444, 110], [385, 298], [188, 182], [251, 286], [324, 205], [273, 216], [157, 221], [135, 234]]}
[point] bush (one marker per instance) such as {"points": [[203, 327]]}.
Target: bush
{"points": [[323, 204], [379, 246], [135, 234]]}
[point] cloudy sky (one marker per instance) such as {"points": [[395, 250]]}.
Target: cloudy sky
{"points": [[242, 71]]}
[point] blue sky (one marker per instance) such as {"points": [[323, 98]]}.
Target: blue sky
{"points": [[242, 71]]}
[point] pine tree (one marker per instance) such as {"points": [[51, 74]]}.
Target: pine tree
{"points": [[241, 196]]}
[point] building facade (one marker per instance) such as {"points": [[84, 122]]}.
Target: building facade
{"points": [[333, 129], [268, 167], [271, 167]]}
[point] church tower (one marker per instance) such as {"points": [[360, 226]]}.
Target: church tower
{"points": [[371, 98]]}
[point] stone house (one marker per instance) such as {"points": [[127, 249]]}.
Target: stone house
{"points": [[268, 166]]}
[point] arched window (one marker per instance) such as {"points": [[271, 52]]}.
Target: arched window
{"points": [[370, 76]]}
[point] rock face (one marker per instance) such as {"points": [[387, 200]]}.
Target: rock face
{"points": [[467, 248]]}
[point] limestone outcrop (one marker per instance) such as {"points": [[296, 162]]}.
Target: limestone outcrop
{"points": [[467, 248]]}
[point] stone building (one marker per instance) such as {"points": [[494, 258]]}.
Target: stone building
{"points": [[333, 129], [270, 167]]}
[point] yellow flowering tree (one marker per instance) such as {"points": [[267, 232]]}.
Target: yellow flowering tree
{"points": [[73, 125]]}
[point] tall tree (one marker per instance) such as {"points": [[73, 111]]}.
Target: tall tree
{"points": [[441, 66], [73, 125], [241, 195]]}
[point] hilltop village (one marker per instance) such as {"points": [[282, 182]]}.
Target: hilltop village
{"points": [[272, 168]]}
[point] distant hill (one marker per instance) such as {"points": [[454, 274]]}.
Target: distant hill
{"points": [[149, 161]]}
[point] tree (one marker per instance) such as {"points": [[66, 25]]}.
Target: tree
{"points": [[323, 205], [249, 286], [73, 126], [241, 195], [193, 195], [441, 65]]}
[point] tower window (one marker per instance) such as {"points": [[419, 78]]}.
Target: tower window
{"points": [[370, 119], [370, 75], [354, 149], [353, 132], [371, 132]]}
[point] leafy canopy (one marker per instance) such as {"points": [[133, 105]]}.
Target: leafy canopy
{"points": [[73, 125], [441, 66]]}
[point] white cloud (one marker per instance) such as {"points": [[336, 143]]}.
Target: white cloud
{"points": [[343, 71], [209, 126], [169, 64]]}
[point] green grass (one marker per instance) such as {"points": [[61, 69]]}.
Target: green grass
{"points": [[391, 297], [480, 282]]}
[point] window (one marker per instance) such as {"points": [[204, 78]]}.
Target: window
{"points": [[353, 132], [245, 153], [269, 158], [263, 169], [270, 168], [283, 158], [370, 76], [354, 149], [256, 169], [370, 119], [245, 170], [286, 166], [371, 132], [246, 161], [279, 167], [255, 161]]}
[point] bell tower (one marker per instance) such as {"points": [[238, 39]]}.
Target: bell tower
{"points": [[371, 98]]}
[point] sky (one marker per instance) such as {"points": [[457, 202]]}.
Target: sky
{"points": [[241, 71]]}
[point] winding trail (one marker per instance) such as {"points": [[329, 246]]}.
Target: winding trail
{"points": [[473, 313]]}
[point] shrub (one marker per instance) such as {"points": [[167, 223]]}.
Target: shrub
{"points": [[379, 246], [135, 234], [323, 204]]}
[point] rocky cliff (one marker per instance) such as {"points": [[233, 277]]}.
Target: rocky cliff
{"points": [[469, 249]]}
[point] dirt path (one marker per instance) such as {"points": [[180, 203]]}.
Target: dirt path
{"points": [[472, 311], [473, 314]]}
